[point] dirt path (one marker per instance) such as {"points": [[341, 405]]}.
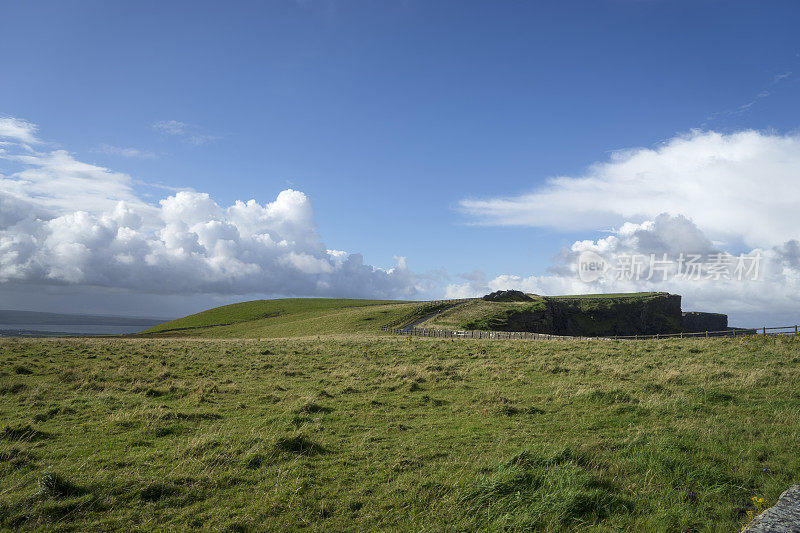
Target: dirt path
{"points": [[409, 327]]}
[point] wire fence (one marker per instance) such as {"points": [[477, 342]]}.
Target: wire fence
{"points": [[522, 335], [732, 332], [477, 334]]}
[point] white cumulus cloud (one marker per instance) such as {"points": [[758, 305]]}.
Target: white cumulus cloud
{"points": [[66, 222], [740, 186]]}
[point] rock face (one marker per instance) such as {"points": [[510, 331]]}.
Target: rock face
{"points": [[783, 517], [695, 322], [644, 315], [596, 316], [508, 296], [649, 314]]}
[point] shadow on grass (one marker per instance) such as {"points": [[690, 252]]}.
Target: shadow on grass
{"points": [[299, 445], [23, 433], [54, 485]]}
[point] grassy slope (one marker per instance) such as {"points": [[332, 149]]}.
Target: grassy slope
{"points": [[477, 313], [605, 295], [365, 433], [289, 317]]}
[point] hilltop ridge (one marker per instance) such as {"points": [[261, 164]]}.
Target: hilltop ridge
{"points": [[573, 315]]}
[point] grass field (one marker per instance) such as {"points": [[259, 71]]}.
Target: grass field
{"points": [[371, 432]]}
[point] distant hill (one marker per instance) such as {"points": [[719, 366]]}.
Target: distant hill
{"points": [[10, 317], [294, 317], [582, 315]]}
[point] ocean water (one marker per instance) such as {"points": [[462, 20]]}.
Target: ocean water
{"points": [[50, 330]]}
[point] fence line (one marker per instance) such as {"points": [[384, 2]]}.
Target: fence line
{"points": [[522, 335], [477, 334]]}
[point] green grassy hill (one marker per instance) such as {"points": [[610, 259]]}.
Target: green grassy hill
{"points": [[293, 317]]}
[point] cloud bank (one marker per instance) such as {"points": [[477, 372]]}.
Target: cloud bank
{"points": [[65, 222], [741, 186]]}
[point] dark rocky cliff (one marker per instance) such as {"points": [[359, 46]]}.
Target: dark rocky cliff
{"points": [[649, 314], [643, 315], [696, 322]]}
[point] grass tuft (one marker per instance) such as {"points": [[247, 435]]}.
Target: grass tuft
{"points": [[539, 491], [313, 408], [12, 388], [156, 491], [54, 485], [298, 444], [23, 432]]}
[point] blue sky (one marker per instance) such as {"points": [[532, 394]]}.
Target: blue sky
{"points": [[389, 115]]}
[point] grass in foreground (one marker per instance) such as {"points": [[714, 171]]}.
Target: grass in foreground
{"points": [[362, 433]]}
